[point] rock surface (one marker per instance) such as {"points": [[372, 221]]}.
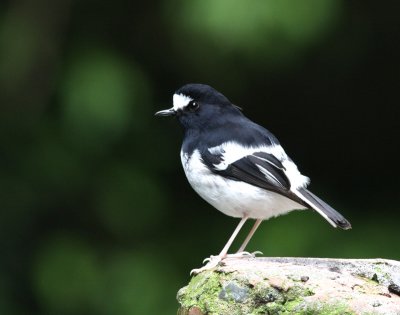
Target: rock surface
{"points": [[294, 286]]}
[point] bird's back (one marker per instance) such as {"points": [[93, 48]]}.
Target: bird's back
{"points": [[238, 128]]}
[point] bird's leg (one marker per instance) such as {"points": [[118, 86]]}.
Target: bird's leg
{"points": [[213, 261], [247, 240], [224, 251]]}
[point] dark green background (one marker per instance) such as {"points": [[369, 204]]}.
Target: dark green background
{"points": [[96, 216]]}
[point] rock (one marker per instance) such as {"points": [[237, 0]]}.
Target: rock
{"points": [[233, 292], [304, 278], [294, 286], [394, 288]]}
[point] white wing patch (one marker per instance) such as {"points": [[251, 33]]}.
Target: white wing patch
{"points": [[232, 151], [180, 101]]}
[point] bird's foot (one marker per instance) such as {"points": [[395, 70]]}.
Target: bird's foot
{"points": [[212, 262], [244, 254]]}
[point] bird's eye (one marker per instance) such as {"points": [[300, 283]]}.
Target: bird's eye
{"points": [[193, 106]]}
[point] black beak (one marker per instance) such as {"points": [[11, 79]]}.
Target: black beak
{"points": [[166, 112]]}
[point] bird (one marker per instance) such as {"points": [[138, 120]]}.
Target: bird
{"points": [[238, 166]]}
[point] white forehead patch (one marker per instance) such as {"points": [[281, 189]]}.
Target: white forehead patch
{"points": [[180, 101]]}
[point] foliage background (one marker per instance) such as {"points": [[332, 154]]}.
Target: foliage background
{"points": [[96, 216]]}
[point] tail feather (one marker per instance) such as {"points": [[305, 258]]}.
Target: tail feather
{"points": [[325, 210]]}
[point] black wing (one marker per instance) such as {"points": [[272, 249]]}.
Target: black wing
{"points": [[259, 169], [265, 171]]}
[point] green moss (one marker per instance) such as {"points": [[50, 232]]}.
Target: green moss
{"points": [[204, 291], [380, 273], [209, 292], [212, 294], [298, 291], [281, 302], [300, 308]]}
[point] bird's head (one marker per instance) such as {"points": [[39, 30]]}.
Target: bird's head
{"points": [[199, 106]]}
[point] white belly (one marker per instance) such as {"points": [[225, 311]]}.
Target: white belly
{"points": [[234, 198]]}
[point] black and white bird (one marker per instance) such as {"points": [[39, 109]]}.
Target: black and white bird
{"points": [[238, 166]]}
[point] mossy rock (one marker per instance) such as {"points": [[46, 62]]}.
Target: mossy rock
{"points": [[293, 286]]}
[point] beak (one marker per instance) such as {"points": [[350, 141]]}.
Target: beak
{"points": [[166, 112]]}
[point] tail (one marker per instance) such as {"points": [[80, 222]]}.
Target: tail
{"points": [[325, 210]]}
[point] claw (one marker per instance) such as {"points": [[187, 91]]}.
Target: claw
{"points": [[209, 259], [245, 254], [213, 262]]}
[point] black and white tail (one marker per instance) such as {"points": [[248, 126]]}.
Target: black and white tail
{"points": [[325, 210]]}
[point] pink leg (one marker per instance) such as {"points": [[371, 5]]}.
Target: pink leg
{"points": [[224, 251], [213, 261], [251, 233]]}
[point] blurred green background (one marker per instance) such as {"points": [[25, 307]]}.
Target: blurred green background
{"points": [[96, 216]]}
